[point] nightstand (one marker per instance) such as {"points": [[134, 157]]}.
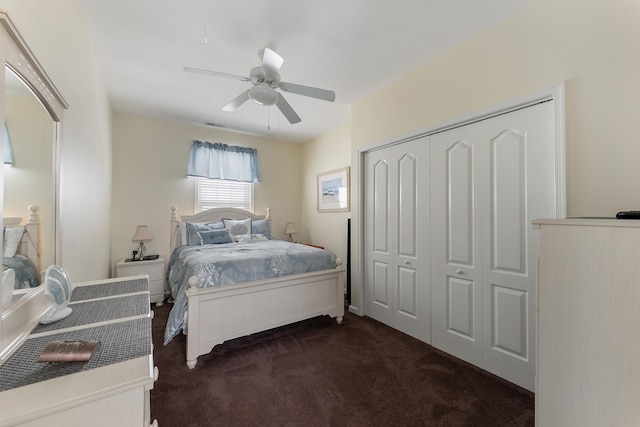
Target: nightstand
{"points": [[155, 269], [315, 246]]}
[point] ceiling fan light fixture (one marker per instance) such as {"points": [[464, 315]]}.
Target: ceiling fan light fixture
{"points": [[263, 94]]}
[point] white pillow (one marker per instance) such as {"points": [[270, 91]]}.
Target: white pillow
{"points": [[237, 227], [242, 238], [12, 237], [248, 238]]}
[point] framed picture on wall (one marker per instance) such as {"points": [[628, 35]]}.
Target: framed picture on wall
{"points": [[333, 191]]}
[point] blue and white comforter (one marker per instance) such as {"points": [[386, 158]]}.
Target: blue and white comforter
{"points": [[217, 265], [26, 274]]}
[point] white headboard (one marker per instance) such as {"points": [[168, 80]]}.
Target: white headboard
{"points": [[211, 215], [30, 243]]}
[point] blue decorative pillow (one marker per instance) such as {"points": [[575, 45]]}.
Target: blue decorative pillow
{"points": [[215, 237], [262, 226], [193, 228]]}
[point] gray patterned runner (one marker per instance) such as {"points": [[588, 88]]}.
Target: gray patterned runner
{"points": [[82, 293], [88, 312], [118, 342]]}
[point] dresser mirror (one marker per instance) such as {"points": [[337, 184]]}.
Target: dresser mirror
{"points": [[29, 180], [33, 110]]}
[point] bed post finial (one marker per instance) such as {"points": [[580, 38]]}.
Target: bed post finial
{"points": [[174, 213], [268, 216], [34, 217], [193, 281]]}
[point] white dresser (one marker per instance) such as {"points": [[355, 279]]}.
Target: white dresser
{"points": [[588, 315], [112, 388]]}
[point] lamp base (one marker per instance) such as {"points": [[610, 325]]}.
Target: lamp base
{"points": [[141, 250]]}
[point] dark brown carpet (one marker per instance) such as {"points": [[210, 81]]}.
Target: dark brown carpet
{"points": [[319, 373]]}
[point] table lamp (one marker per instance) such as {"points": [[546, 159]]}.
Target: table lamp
{"points": [[290, 229], [141, 235]]}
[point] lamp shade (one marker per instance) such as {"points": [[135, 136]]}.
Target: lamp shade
{"points": [[290, 228], [142, 234]]}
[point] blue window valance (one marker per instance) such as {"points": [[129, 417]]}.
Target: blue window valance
{"points": [[8, 151], [222, 161]]}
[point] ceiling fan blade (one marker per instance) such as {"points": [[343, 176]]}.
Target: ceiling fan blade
{"points": [[215, 74], [314, 92], [287, 111], [237, 101], [271, 61]]}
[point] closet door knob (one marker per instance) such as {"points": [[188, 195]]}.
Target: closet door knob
{"points": [[407, 262], [458, 271]]}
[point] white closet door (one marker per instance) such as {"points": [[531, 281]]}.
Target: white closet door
{"points": [[456, 237], [489, 181], [397, 237], [520, 187]]}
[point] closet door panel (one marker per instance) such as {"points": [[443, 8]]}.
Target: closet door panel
{"points": [[380, 195], [521, 186], [378, 262], [381, 290], [459, 209], [412, 315], [407, 205], [460, 307], [509, 323], [455, 244], [397, 288], [407, 292], [507, 192]]}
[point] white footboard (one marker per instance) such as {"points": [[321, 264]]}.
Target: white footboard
{"points": [[221, 313]]}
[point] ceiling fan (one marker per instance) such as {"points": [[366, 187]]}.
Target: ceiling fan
{"points": [[265, 80]]}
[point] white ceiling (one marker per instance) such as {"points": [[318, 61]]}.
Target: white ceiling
{"points": [[349, 46]]}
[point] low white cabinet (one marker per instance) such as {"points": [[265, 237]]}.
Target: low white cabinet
{"points": [[155, 269], [588, 318], [112, 388]]}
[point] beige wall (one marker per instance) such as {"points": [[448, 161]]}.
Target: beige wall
{"points": [[325, 153], [56, 32], [590, 45], [149, 164]]}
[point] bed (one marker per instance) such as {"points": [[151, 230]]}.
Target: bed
{"points": [[21, 249], [215, 303], [21, 257]]}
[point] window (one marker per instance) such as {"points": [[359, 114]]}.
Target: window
{"points": [[218, 193]]}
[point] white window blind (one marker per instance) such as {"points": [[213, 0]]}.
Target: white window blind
{"points": [[218, 193]]}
